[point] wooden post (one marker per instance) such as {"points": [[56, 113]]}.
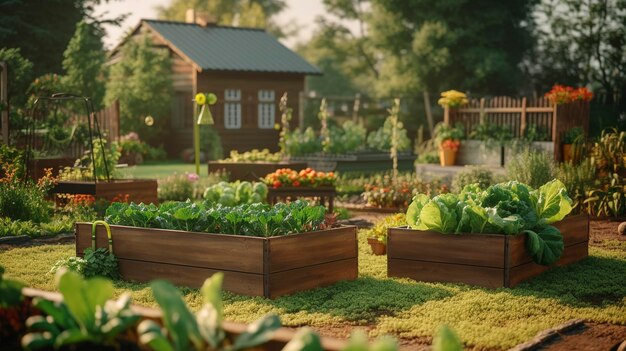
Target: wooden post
{"points": [[429, 114], [446, 115], [522, 125], [4, 99], [301, 102]]}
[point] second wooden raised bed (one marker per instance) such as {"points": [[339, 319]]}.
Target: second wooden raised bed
{"points": [[136, 190], [488, 260], [255, 266], [325, 194], [252, 171]]}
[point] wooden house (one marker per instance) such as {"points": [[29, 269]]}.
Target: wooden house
{"points": [[247, 68]]}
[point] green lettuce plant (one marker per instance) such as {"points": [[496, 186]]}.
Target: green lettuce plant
{"points": [[87, 314], [507, 208]]}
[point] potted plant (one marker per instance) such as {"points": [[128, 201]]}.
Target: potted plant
{"points": [[570, 137], [448, 139], [377, 236]]}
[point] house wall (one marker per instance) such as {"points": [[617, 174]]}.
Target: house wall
{"points": [[250, 136]]}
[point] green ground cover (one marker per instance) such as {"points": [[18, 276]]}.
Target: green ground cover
{"points": [[161, 169], [594, 290]]}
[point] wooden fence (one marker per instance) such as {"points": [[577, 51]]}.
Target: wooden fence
{"points": [[4, 98], [109, 121], [520, 114]]}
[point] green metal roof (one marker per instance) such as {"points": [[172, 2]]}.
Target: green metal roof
{"points": [[231, 48]]}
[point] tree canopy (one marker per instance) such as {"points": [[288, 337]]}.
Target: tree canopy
{"points": [[141, 81], [83, 63]]}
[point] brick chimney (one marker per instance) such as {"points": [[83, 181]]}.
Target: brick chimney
{"points": [[203, 19], [190, 16]]}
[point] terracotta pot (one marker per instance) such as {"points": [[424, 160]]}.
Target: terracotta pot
{"points": [[447, 157], [378, 247], [568, 152]]}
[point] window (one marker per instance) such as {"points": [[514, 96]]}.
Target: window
{"points": [[267, 109], [232, 109]]}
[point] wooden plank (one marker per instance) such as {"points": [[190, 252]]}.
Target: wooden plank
{"points": [[213, 251], [306, 249], [252, 171], [445, 272], [469, 249], [575, 229], [525, 271], [194, 277], [313, 276], [138, 190]]}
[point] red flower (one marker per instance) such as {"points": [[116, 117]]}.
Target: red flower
{"points": [[296, 183], [277, 184]]}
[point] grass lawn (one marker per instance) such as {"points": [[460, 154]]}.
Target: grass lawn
{"points": [[594, 289], [161, 169]]}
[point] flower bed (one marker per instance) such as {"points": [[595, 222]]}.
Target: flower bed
{"points": [[489, 260], [254, 262], [288, 184]]}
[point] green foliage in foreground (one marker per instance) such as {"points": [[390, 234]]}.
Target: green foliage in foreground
{"points": [[594, 290]]}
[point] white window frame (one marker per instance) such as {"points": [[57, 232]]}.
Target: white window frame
{"points": [[266, 109], [232, 108]]}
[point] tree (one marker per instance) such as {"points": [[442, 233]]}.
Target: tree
{"points": [[83, 63], [470, 45], [141, 81], [42, 29], [20, 74], [244, 13], [581, 43]]}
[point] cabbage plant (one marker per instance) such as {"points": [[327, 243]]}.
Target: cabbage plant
{"points": [[509, 208]]}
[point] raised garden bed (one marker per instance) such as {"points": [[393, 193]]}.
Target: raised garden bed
{"points": [[138, 190], [476, 152], [252, 171], [366, 162], [489, 260], [254, 266], [325, 194]]}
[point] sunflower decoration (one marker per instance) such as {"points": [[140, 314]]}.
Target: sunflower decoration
{"points": [[203, 100]]}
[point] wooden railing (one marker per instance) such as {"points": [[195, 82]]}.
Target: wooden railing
{"points": [[520, 114]]}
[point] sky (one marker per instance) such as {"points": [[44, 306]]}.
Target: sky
{"points": [[304, 12]]}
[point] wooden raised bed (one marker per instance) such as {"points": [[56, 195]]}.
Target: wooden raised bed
{"points": [[252, 171], [255, 266], [488, 260], [324, 193], [37, 167], [358, 162], [138, 190]]}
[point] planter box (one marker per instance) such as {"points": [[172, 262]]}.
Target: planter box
{"points": [[364, 162], [476, 152], [293, 193], [488, 260], [252, 171], [138, 190], [268, 267], [233, 329]]}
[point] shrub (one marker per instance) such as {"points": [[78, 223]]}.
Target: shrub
{"points": [[380, 140], [24, 201], [382, 192], [531, 167], [350, 138], [298, 143], [578, 179], [472, 175], [254, 155], [180, 187]]}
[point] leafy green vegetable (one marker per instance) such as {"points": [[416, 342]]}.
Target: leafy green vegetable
{"points": [[236, 193], [250, 219], [506, 208], [87, 314]]}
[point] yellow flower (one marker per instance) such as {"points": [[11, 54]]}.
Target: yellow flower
{"points": [[200, 99], [452, 98]]}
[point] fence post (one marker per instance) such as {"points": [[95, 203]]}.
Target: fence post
{"points": [[446, 115], [522, 124], [429, 114], [555, 133]]}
